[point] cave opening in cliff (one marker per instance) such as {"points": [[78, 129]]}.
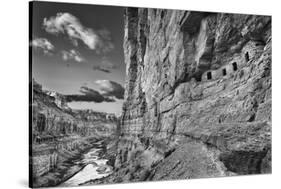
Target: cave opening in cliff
{"points": [[234, 65], [224, 72], [209, 75]]}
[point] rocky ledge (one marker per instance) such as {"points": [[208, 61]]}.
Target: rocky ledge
{"points": [[198, 96]]}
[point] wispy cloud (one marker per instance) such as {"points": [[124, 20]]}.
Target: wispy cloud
{"points": [[43, 44], [88, 95], [66, 23], [72, 55], [105, 66], [111, 88], [101, 68]]}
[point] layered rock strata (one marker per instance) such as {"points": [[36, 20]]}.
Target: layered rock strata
{"points": [[59, 135], [198, 95]]}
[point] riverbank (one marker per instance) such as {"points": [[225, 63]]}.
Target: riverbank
{"points": [[95, 168], [108, 152], [69, 163]]}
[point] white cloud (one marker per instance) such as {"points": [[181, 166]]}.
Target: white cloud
{"points": [[105, 85], [72, 55], [43, 44], [65, 23], [111, 88]]}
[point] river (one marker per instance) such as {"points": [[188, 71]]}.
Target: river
{"points": [[94, 168]]}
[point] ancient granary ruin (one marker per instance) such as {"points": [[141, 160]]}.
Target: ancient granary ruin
{"points": [[190, 24], [249, 52]]}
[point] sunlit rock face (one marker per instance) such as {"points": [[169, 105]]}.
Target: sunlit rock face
{"points": [[97, 123], [60, 134], [48, 119], [51, 118], [59, 99], [198, 86]]}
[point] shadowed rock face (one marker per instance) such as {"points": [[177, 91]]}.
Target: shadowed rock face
{"points": [[198, 86]]}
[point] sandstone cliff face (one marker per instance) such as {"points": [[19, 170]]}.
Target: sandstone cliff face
{"points": [[198, 95], [51, 117], [48, 119], [60, 134], [99, 123]]}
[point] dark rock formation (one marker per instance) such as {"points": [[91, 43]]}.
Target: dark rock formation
{"points": [[198, 95]]}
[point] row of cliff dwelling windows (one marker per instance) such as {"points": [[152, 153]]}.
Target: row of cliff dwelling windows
{"points": [[234, 66]]}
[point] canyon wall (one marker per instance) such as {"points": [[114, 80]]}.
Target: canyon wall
{"points": [[52, 118], [60, 134], [98, 123], [198, 95]]}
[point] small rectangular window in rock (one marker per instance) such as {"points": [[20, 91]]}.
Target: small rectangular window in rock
{"points": [[247, 57], [234, 65], [224, 72], [209, 75]]}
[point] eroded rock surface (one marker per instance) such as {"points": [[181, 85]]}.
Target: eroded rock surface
{"points": [[60, 135], [198, 95]]}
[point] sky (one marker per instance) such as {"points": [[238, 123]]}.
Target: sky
{"points": [[77, 50]]}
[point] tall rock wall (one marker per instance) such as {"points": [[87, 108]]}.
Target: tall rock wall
{"points": [[48, 119], [60, 134], [198, 95], [51, 118]]}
